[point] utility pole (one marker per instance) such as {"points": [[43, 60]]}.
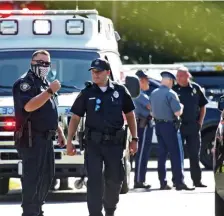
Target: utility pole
{"points": [[150, 59], [114, 12], [77, 5]]}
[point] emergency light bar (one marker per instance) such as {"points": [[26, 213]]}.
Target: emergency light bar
{"points": [[26, 11]]}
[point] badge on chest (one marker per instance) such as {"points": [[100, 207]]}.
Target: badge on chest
{"points": [[116, 94], [115, 97], [194, 92]]}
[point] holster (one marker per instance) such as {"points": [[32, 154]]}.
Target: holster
{"points": [[24, 139], [50, 134], [120, 137], [21, 139], [177, 123]]}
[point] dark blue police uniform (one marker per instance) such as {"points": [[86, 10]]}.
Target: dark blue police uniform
{"points": [[145, 131], [104, 122], [164, 103], [193, 99], [35, 146]]}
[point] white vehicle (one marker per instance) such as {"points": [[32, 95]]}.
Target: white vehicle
{"points": [[74, 39]]}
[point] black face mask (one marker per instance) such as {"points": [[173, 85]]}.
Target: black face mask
{"points": [[40, 70]]}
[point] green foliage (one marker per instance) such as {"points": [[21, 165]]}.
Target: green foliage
{"points": [[169, 31]]}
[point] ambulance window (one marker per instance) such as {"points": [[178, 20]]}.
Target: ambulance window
{"points": [[70, 67], [5, 69], [115, 64]]}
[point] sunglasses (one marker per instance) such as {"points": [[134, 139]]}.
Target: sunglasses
{"points": [[97, 106], [43, 63]]}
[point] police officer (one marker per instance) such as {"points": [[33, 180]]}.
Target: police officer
{"points": [[194, 101], [165, 108], [36, 124], [103, 102], [145, 130]]}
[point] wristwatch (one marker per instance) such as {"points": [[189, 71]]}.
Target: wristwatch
{"points": [[135, 139], [49, 90]]}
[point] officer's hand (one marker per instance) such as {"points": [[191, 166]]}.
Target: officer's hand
{"points": [[71, 151], [61, 140], [55, 86], [133, 147]]}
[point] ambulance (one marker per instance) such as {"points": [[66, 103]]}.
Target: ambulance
{"points": [[74, 38]]}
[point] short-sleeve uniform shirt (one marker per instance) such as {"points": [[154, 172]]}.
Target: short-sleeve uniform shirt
{"points": [[24, 89], [193, 98], [104, 110], [164, 103]]}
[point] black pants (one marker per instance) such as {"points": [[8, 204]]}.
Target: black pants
{"points": [[191, 136], [38, 173], [103, 190]]}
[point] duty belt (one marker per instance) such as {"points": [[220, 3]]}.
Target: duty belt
{"points": [[49, 134], [105, 137]]}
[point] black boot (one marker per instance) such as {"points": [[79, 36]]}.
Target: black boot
{"points": [[142, 185], [165, 187], [107, 214], [199, 184], [183, 186]]}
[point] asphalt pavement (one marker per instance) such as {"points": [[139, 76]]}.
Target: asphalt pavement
{"points": [[139, 202]]}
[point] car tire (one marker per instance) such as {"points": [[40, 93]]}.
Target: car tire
{"points": [[206, 140], [4, 186], [126, 182], [219, 205]]}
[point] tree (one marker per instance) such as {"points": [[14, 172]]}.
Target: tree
{"points": [[169, 31]]}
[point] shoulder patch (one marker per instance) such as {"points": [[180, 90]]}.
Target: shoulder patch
{"points": [[25, 86], [88, 84]]}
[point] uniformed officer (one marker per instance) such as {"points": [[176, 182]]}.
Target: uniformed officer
{"points": [[166, 108], [36, 124], [194, 101], [145, 130], [103, 102]]}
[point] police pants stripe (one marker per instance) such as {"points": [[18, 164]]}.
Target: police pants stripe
{"points": [[180, 142], [141, 153]]}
